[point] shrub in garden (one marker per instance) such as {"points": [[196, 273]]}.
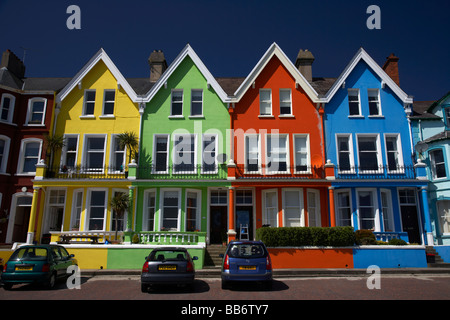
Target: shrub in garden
{"points": [[365, 237], [397, 242]]}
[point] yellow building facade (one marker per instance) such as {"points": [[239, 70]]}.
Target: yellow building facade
{"points": [[73, 192]]}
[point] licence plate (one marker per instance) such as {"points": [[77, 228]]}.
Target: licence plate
{"points": [[247, 267], [24, 268], [167, 268]]}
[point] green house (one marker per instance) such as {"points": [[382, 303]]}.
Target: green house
{"points": [[181, 176]]}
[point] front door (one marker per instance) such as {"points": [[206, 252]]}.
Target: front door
{"points": [[408, 209], [244, 219], [218, 224]]}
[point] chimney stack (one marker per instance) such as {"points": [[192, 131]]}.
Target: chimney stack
{"points": [[158, 65], [304, 63], [391, 68], [13, 64]]}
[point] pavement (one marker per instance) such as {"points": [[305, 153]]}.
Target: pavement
{"points": [[289, 273]]}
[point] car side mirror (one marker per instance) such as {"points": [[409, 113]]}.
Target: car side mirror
{"points": [[195, 258]]}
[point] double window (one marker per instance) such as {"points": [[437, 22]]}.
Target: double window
{"points": [[265, 102], [109, 99], [373, 100]]}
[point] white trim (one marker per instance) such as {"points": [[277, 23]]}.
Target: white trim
{"points": [[198, 214], [376, 213], [301, 212], [308, 152], [145, 207], [108, 115], [12, 101], [87, 216], [390, 207], [400, 165], [21, 161], [46, 220], [270, 102], [318, 216], [187, 51], [358, 94], [171, 103], [161, 206], [175, 136], [5, 155], [30, 111], [74, 207], [378, 150], [265, 218], [100, 55], [155, 138], [267, 170], [349, 137], [361, 54], [337, 207], [85, 154], [258, 136], [112, 154], [275, 50], [216, 148], [63, 161]]}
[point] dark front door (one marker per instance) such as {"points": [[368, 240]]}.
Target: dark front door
{"points": [[244, 216], [218, 224], [410, 223]]}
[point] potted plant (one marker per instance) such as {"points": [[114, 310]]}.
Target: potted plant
{"points": [[119, 203]]}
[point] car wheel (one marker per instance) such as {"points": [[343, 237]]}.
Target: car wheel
{"points": [[52, 281], [7, 286], [144, 288]]}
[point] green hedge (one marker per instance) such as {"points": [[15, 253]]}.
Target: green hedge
{"points": [[306, 236]]}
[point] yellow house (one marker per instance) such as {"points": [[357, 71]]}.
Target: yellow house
{"points": [[73, 192]]}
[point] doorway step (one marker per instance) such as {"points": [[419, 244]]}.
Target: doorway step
{"points": [[212, 258], [434, 260]]}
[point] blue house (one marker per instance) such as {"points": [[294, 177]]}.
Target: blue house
{"points": [[378, 185], [431, 134]]}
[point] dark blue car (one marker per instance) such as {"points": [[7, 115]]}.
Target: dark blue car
{"points": [[246, 261]]}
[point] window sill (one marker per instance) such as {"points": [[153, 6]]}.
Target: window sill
{"points": [[107, 116], [176, 117], [34, 125], [197, 117], [267, 116], [356, 117], [87, 117], [289, 116], [8, 123], [376, 116]]}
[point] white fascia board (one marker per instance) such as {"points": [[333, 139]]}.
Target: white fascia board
{"points": [[274, 49], [187, 51], [100, 55], [361, 54]]}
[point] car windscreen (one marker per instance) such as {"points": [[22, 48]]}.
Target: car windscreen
{"points": [[168, 255], [246, 251], [34, 254]]}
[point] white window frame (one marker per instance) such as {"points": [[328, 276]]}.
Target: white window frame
{"points": [[175, 152], [162, 208], [112, 155], [21, 162], [400, 164], [145, 215], [378, 150], [5, 155], [286, 102], [75, 208], [30, 111], [86, 152], [172, 103], [443, 214], [192, 102], [308, 153], [265, 217], [246, 153], [388, 211], [301, 211], [351, 92], [203, 153], [85, 102], [155, 140], [269, 102], [316, 206], [65, 151], [12, 103], [268, 159], [339, 218], [351, 155], [433, 164], [198, 208], [374, 93], [88, 209], [113, 102], [50, 205], [376, 211]]}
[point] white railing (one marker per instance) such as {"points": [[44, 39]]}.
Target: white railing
{"points": [[171, 238]]}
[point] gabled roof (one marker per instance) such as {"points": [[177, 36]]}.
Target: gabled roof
{"points": [[100, 55], [275, 50], [361, 54], [187, 51]]}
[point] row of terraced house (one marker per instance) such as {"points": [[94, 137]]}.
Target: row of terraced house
{"points": [[215, 159]]}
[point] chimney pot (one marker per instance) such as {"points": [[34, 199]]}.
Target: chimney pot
{"points": [[13, 64], [158, 65], [391, 68], [304, 63]]}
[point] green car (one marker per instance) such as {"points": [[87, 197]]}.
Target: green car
{"points": [[42, 264]]}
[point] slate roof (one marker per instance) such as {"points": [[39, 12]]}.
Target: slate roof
{"points": [[420, 110]]}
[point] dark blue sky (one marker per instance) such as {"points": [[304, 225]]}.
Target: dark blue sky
{"points": [[230, 36]]}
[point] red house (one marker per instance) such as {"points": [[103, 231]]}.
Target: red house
{"points": [[278, 166], [26, 115]]}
